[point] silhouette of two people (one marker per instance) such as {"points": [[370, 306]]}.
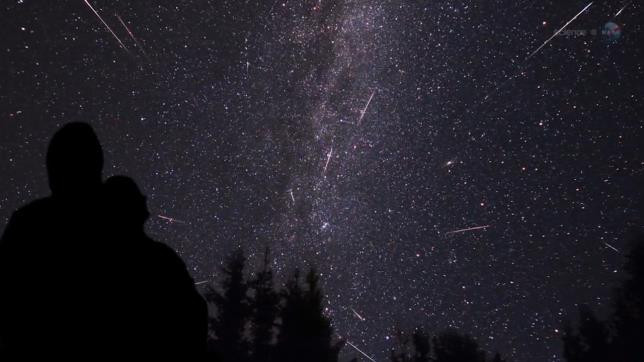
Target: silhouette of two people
{"points": [[79, 278]]}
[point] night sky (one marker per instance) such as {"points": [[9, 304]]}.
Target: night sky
{"points": [[362, 137]]}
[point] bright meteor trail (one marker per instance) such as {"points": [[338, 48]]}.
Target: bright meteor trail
{"points": [[521, 71], [291, 193], [622, 9], [131, 34], [170, 219], [358, 349], [467, 229], [328, 158], [362, 113], [611, 247], [358, 315], [107, 26], [559, 31]]}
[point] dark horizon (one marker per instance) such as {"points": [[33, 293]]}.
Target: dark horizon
{"points": [[432, 160]]}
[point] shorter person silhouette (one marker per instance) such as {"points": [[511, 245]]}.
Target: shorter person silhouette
{"points": [[157, 310]]}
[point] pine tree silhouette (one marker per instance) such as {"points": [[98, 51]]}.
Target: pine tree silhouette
{"points": [[497, 358], [620, 337], [450, 346], [403, 350], [264, 305], [629, 307], [414, 348], [592, 341], [306, 333], [227, 327], [422, 346]]}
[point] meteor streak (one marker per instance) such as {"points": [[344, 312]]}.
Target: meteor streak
{"points": [[170, 219], [201, 282], [358, 349], [291, 193], [521, 71], [131, 35], [612, 247], [362, 113], [347, 122], [622, 9], [106, 26], [467, 229], [328, 158], [559, 31], [358, 315]]}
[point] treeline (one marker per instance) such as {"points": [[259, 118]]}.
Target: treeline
{"points": [[620, 337], [253, 321], [448, 346]]}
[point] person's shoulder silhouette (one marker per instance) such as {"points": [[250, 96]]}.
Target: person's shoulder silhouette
{"points": [[43, 251], [78, 275], [165, 314]]}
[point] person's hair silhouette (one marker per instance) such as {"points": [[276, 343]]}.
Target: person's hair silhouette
{"points": [[125, 205]]}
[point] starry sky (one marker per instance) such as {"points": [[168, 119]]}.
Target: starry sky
{"points": [[433, 161]]}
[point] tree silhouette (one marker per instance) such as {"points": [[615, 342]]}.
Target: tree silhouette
{"points": [[404, 350], [629, 307], [232, 312], [305, 332], [450, 346], [592, 341], [497, 358], [620, 337], [422, 347], [414, 348], [264, 305]]}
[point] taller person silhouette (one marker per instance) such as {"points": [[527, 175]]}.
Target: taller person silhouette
{"points": [[47, 254], [64, 267]]}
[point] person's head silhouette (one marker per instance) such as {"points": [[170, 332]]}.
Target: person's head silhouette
{"points": [[74, 160], [126, 204]]}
